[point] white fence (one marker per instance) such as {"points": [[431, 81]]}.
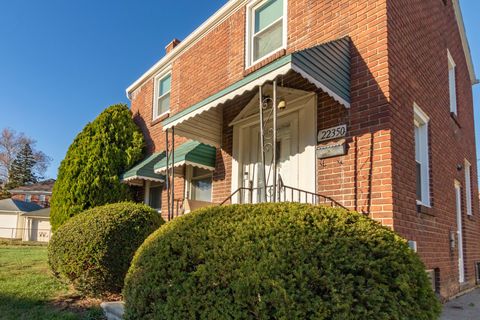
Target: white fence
{"points": [[25, 234]]}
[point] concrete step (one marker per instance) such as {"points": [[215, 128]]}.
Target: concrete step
{"points": [[113, 310]]}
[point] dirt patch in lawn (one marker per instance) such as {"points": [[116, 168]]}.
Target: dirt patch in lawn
{"points": [[80, 304]]}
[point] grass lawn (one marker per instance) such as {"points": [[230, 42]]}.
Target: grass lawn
{"points": [[29, 291]]}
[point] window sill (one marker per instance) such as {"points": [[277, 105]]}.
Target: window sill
{"points": [[455, 119], [160, 118]]}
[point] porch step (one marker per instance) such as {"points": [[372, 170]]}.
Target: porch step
{"points": [[113, 310]]}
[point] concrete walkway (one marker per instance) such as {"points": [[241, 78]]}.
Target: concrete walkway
{"points": [[466, 307]]}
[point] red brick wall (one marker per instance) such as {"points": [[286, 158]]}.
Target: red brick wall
{"points": [[420, 32], [35, 198], [217, 60], [395, 62]]}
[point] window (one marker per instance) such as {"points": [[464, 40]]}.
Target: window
{"points": [[42, 198], [266, 26], [458, 208], [452, 84], [468, 187], [28, 198], [421, 157], [162, 103], [155, 197], [201, 184]]}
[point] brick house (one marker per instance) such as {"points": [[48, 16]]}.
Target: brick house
{"points": [[363, 104], [39, 193]]}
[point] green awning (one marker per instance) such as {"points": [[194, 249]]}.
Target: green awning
{"points": [[326, 65], [144, 170], [191, 153]]}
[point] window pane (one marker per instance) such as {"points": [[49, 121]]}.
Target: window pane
{"points": [[267, 14], [202, 189], [419, 181], [268, 41], [163, 104], [468, 191], [452, 90], [155, 197], [417, 143], [164, 85]]}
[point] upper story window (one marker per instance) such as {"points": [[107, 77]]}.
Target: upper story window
{"points": [[28, 198], [266, 25], [162, 95], [452, 84], [421, 157], [42, 198], [468, 187]]}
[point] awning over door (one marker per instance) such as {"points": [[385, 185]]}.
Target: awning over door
{"points": [[327, 66], [144, 171], [191, 153]]}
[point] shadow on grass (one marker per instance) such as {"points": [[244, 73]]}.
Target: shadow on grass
{"points": [[20, 308]]}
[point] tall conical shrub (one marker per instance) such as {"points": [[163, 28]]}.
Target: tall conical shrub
{"points": [[89, 174]]}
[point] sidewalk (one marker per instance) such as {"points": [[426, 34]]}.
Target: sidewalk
{"points": [[466, 307]]}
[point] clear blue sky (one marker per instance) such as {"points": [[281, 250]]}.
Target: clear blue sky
{"points": [[62, 62]]}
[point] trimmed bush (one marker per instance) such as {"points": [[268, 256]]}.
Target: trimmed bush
{"points": [[89, 175], [93, 250], [277, 261]]}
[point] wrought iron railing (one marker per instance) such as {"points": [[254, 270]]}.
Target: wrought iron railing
{"points": [[249, 195]]}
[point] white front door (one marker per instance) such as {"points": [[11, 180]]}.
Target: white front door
{"points": [[458, 204], [287, 157], [295, 145]]}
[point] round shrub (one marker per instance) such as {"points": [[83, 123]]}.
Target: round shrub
{"points": [[93, 250], [277, 261]]}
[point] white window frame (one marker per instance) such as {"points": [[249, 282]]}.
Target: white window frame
{"points": [[189, 182], [42, 198], [468, 187], [28, 198], [452, 84], [458, 210], [421, 120], [250, 27], [159, 77]]}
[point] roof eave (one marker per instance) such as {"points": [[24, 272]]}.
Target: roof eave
{"points": [[465, 44]]}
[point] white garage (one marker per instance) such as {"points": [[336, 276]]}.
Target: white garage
{"points": [[12, 221], [37, 226], [8, 224]]}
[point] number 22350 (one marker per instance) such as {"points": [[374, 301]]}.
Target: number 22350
{"points": [[332, 133]]}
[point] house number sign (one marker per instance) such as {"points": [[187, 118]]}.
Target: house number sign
{"points": [[332, 133]]}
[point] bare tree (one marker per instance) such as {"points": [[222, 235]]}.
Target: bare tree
{"points": [[11, 143]]}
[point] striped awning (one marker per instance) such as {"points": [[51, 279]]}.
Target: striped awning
{"points": [[191, 153], [144, 170], [327, 66]]}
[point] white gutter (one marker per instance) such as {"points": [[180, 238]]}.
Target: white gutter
{"points": [[466, 46], [221, 15]]}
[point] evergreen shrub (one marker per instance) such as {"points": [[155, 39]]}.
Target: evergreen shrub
{"points": [[93, 251], [277, 261], [89, 176]]}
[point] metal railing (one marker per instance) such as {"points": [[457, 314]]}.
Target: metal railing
{"points": [[249, 195], [25, 234]]}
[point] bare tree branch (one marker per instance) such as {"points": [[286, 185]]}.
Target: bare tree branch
{"points": [[11, 143]]}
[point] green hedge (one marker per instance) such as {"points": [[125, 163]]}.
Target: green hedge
{"points": [[93, 250], [277, 261]]}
